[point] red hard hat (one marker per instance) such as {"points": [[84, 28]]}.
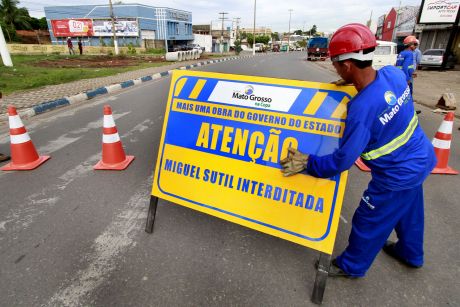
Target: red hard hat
{"points": [[410, 40], [351, 38]]}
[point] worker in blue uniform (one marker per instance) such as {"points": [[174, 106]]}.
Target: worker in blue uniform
{"points": [[382, 128], [406, 60]]}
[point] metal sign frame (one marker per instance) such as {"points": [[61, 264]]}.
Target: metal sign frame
{"points": [[335, 98]]}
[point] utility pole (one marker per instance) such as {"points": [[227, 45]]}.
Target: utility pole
{"points": [[289, 33], [222, 32], [254, 30], [4, 51], [393, 35], [237, 27], [115, 43]]}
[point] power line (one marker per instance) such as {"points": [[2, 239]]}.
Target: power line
{"points": [[223, 18]]}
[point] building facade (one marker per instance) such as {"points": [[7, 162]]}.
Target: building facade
{"points": [[259, 31], [380, 26], [136, 24], [389, 26]]}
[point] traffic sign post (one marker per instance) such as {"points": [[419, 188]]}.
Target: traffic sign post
{"points": [[223, 137]]}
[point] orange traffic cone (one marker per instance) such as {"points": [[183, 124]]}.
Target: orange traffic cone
{"points": [[441, 143], [24, 156], [113, 155], [360, 164]]}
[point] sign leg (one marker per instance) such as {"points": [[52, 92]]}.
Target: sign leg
{"points": [[321, 277], [151, 214]]}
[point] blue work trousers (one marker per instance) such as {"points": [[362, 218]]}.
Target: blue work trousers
{"points": [[379, 212]]}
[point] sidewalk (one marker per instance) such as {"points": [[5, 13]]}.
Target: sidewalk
{"points": [[429, 85], [27, 99]]}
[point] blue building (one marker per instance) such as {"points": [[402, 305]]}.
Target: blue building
{"points": [[137, 24]]}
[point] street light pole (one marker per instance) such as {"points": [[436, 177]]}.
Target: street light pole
{"points": [[5, 54], [254, 30], [289, 33], [115, 43]]}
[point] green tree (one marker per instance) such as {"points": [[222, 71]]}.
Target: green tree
{"points": [[250, 39], [298, 32], [264, 39], [43, 24], [13, 17], [313, 30], [38, 24], [238, 46], [275, 36], [7, 30], [302, 43]]}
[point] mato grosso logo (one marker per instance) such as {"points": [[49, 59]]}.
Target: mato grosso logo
{"points": [[248, 94]]}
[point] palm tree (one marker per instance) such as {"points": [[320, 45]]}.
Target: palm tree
{"points": [[12, 16]]}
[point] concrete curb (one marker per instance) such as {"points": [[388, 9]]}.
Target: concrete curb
{"points": [[51, 105]]}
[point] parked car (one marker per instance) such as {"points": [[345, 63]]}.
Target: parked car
{"points": [[434, 57], [259, 47], [384, 54]]}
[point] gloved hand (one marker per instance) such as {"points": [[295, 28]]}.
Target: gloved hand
{"points": [[340, 82], [294, 163]]}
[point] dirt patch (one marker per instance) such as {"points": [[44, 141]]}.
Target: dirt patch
{"points": [[97, 61]]}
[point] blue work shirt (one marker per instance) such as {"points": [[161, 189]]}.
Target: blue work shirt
{"points": [[382, 127], [405, 62], [417, 58]]}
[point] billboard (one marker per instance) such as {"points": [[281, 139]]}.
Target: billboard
{"points": [[407, 18], [72, 27], [223, 137], [439, 11], [123, 27]]}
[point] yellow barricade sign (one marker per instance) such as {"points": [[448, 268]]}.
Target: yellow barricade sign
{"points": [[223, 138]]}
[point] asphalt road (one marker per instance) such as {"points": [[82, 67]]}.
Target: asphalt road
{"points": [[70, 236]]}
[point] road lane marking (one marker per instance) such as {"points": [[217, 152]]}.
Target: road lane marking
{"points": [[107, 248], [36, 204]]}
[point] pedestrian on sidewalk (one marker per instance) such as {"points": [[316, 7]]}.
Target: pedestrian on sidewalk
{"points": [[3, 157], [405, 60], [381, 127], [70, 46], [80, 46]]}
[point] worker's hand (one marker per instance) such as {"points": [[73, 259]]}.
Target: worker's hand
{"points": [[414, 75], [340, 82], [294, 163]]}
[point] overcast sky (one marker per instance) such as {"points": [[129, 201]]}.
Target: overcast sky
{"points": [[328, 15]]}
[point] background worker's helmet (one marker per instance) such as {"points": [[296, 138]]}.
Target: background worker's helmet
{"points": [[410, 40], [349, 41]]}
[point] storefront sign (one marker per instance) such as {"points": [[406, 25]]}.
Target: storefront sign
{"points": [[439, 11], [71, 27], [123, 27]]}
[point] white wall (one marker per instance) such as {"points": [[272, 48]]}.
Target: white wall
{"points": [[204, 41]]}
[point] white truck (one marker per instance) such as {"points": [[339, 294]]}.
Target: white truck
{"points": [[385, 54]]}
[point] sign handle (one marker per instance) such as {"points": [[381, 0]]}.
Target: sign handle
{"points": [[321, 277], [151, 214]]}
